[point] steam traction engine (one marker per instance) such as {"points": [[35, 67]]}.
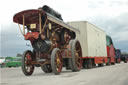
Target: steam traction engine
{"points": [[53, 41]]}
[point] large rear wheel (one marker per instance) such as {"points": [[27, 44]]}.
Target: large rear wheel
{"points": [[76, 60], [56, 61], [27, 67], [46, 68]]}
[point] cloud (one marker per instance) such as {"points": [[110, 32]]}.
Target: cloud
{"points": [[116, 27], [113, 25], [12, 42]]}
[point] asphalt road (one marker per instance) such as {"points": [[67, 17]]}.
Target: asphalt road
{"points": [[107, 75]]}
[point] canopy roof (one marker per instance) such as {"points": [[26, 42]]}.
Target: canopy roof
{"points": [[32, 16]]}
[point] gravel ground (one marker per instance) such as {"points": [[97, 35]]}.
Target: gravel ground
{"points": [[107, 75]]}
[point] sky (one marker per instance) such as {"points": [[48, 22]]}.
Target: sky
{"points": [[109, 15]]}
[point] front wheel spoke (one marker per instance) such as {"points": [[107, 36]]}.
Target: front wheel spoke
{"points": [[25, 63], [27, 68]]}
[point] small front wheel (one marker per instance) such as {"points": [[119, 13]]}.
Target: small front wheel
{"points": [[27, 67], [56, 61]]}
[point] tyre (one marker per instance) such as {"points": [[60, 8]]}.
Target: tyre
{"points": [[56, 61], [46, 68], [100, 65], [89, 64], [113, 63], [76, 60], [27, 67]]}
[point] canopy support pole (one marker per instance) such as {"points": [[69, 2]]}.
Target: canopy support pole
{"points": [[23, 26], [20, 30], [40, 22], [45, 23]]}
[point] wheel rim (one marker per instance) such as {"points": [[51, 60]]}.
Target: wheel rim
{"points": [[78, 55], [58, 61]]}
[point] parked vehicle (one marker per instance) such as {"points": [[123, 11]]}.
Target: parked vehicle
{"points": [[13, 61], [118, 55], [110, 51], [2, 62], [124, 57]]}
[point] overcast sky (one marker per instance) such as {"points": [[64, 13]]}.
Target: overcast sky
{"points": [[109, 15]]}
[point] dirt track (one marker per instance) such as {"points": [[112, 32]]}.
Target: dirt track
{"points": [[107, 75]]}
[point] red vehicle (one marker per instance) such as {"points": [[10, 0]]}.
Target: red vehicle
{"points": [[110, 51]]}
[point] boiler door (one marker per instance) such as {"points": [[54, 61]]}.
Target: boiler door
{"points": [[42, 45]]}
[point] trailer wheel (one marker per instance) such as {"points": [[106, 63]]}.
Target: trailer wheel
{"points": [[56, 61], [76, 60], [101, 65], [89, 63], [27, 67], [113, 63], [46, 68]]}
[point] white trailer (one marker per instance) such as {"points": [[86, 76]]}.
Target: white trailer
{"points": [[92, 39]]}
